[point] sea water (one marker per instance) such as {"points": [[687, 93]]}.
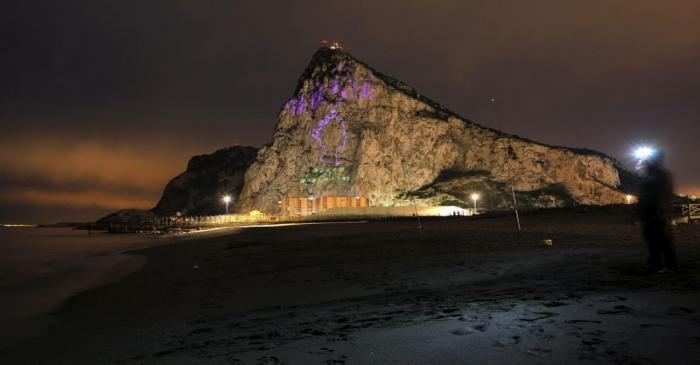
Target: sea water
{"points": [[42, 267]]}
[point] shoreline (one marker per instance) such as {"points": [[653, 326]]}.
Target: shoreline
{"points": [[79, 276]]}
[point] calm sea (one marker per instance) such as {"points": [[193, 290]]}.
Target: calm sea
{"points": [[42, 267]]}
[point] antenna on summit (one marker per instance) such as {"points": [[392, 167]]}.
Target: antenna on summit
{"points": [[333, 45]]}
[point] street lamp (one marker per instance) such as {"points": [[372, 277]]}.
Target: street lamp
{"points": [[475, 197], [226, 199]]}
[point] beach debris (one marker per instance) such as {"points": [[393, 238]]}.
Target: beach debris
{"points": [[548, 242], [195, 267]]}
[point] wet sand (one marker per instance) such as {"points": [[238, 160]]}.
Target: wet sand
{"points": [[463, 291]]}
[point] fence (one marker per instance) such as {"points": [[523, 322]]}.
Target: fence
{"points": [[212, 220], [175, 223], [692, 211]]}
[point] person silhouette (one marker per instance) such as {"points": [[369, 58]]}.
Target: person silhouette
{"points": [[654, 204]]}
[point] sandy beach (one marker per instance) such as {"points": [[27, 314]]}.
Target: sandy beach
{"points": [[381, 292]]}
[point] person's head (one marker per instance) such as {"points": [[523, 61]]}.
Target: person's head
{"points": [[656, 160]]}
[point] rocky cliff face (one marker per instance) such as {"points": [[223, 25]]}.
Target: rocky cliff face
{"points": [[351, 130], [198, 190]]}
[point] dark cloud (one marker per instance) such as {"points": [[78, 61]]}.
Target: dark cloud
{"points": [[77, 185], [190, 77], [14, 213]]}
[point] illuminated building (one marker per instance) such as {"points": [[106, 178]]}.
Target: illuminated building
{"points": [[300, 206]]}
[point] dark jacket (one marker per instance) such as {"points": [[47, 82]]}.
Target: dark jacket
{"points": [[655, 193]]}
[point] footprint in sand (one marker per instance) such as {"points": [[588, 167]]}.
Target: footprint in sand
{"points": [[616, 298], [538, 351], [469, 330], [618, 309], [335, 362], [539, 316], [555, 304], [323, 351], [576, 321], [268, 360], [509, 341], [592, 341], [679, 311], [651, 325]]}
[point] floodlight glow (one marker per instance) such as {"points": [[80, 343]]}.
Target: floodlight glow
{"points": [[644, 152], [226, 199]]}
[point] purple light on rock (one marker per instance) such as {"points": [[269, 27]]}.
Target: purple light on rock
{"points": [[334, 87], [316, 97], [343, 141], [339, 89], [316, 134], [367, 90], [300, 105]]}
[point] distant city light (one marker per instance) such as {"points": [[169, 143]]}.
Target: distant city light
{"points": [[629, 199]]}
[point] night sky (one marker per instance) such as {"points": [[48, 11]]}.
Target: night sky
{"points": [[102, 102]]}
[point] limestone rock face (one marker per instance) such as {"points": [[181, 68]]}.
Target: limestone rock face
{"points": [[198, 190], [350, 130]]}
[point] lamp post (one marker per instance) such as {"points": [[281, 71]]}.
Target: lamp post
{"points": [[475, 197], [226, 199]]}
